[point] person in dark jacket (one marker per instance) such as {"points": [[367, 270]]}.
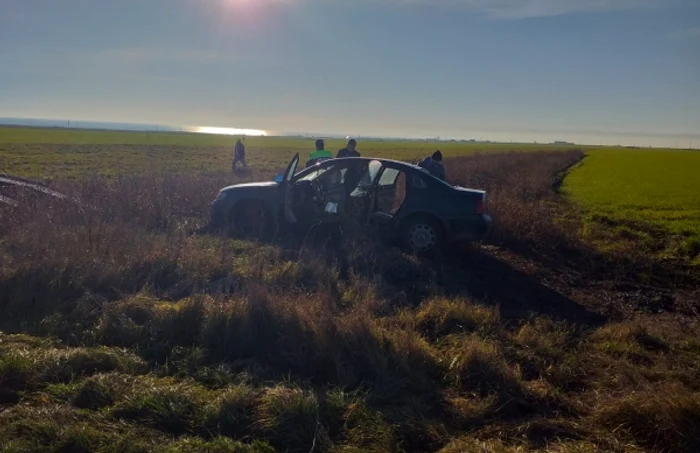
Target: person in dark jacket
{"points": [[434, 165], [239, 155], [319, 155], [349, 150]]}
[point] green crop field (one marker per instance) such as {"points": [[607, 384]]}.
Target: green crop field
{"points": [[44, 153], [643, 195]]}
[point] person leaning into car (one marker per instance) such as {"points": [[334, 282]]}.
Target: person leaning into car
{"points": [[319, 155], [349, 150], [434, 165]]}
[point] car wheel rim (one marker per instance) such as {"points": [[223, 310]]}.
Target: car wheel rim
{"points": [[422, 237]]}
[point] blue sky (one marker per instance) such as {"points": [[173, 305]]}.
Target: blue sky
{"points": [[611, 71]]}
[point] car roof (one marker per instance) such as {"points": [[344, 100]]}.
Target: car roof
{"points": [[401, 163], [369, 159]]}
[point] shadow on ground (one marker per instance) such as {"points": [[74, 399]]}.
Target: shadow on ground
{"points": [[473, 273], [489, 279]]}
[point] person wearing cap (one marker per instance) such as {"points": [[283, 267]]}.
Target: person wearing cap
{"points": [[319, 155], [434, 165], [349, 150]]}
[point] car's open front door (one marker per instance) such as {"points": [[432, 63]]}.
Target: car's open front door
{"points": [[287, 189], [389, 194]]}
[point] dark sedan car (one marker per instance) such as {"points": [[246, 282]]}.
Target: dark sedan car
{"points": [[404, 201]]}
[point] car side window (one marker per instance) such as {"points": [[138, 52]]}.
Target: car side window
{"points": [[362, 185], [326, 176], [391, 191], [388, 177], [332, 176]]}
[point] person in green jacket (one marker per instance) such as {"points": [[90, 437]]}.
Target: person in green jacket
{"points": [[319, 155]]}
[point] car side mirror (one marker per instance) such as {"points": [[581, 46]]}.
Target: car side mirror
{"points": [[279, 178]]}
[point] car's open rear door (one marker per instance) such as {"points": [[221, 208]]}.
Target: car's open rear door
{"points": [[381, 216], [286, 186]]}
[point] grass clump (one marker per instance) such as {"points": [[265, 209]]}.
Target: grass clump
{"points": [[31, 368], [63, 365], [354, 426], [665, 418], [441, 317], [17, 372], [173, 407], [216, 445], [631, 340], [94, 392], [479, 365], [289, 417], [232, 413], [472, 445], [548, 349]]}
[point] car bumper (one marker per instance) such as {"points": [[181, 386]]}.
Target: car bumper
{"points": [[474, 229], [217, 218]]}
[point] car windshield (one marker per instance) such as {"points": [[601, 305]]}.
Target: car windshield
{"points": [[292, 167], [315, 174]]}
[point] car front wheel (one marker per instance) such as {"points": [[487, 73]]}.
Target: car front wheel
{"points": [[250, 220], [422, 235]]}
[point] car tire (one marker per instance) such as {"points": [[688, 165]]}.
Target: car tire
{"points": [[251, 220], [422, 235]]}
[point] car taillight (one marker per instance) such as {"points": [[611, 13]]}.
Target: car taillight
{"points": [[480, 206]]}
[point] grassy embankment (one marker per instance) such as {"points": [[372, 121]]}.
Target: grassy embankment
{"points": [[125, 333]]}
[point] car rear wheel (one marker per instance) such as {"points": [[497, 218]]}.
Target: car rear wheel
{"points": [[250, 220], [422, 235]]}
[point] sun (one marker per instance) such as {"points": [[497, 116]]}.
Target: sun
{"points": [[247, 5], [241, 2], [229, 131]]}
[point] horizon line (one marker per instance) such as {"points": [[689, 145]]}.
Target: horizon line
{"points": [[226, 131]]}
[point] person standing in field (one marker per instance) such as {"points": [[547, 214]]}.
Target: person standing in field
{"points": [[434, 165], [239, 155], [319, 155], [349, 150]]}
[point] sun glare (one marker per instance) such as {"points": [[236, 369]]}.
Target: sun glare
{"points": [[229, 131]]}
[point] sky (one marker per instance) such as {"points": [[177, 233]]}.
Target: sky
{"points": [[589, 71]]}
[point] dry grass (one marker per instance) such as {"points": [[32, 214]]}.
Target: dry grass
{"points": [[664, 419], [125, 330], [520, 195]]}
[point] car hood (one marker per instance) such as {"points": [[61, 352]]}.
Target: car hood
{"points": [[250, 185]]}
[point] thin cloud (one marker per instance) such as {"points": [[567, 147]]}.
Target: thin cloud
{"points": [[516, 9], [528, 9], [509, 9], [504, 9], [169, 54], [686, 33]]}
